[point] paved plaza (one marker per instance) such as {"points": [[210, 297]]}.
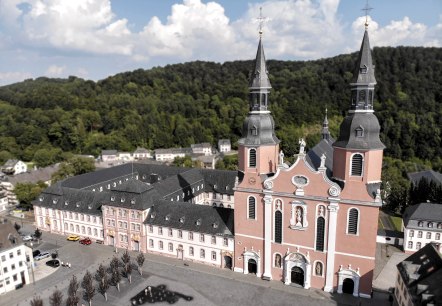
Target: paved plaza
{"points": [[206, 285]]}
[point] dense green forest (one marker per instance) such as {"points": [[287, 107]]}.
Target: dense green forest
{"points": [[202, 102], [43, 119]]}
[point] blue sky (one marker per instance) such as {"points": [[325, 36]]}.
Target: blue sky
{"points": [[93, 39]]}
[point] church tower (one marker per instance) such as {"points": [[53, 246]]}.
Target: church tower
{"points": [[258, 148], [358, 152]]}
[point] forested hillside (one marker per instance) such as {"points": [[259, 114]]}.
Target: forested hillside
{"points": [[202, 102]]}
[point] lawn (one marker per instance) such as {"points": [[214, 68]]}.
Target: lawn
{"points": [[397, 222]]}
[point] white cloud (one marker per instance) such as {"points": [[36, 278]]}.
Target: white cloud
{"points": [[399, 32], [55, 71], [13, 76]]}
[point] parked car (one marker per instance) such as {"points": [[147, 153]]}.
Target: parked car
{"points": [[73, 238], [42, 256], [54, 263], [85, 241], [27, 238], [36, 253]]}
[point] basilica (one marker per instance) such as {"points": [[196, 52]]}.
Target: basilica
{"points": [[312, 223]]}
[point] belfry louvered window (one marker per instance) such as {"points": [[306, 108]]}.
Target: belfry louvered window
{"points": [[252, 158], [278, 227], [252, 208], [353, 216], [356, 165], [320, 228]]}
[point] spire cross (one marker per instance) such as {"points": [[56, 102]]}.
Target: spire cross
{"points": [[261, 20], [367, 10]]}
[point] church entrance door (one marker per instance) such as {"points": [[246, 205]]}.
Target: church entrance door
{"points": [[252, 266], [228, 262], [348, 286], [297, 276]]}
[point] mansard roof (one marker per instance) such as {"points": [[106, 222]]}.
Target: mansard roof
{"points": [[132, 194], [423, 212], [70, 199], [421, 273], [191, 217]]}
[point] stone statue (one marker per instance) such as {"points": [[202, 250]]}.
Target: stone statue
{"points": [[323, 157], [301, 146], [298, 217], [281, 157]]}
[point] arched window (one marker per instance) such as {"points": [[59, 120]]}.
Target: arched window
{"points": [[420, 224], [252, 158], [439, 225], [252, 208], [320, 229], [411, 234], [202, 253], [318, 268], [160, 245], [357, 162], [410, 244], [437, 236], [278, 227], [353, 216], [419, 234], [278, 261], [418, 246]]}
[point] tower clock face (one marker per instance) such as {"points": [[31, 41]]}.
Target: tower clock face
{"points": [[252, 180]]}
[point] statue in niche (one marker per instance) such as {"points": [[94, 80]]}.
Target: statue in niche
{"points": [[278, 261], [318, 268], [299, 216]]}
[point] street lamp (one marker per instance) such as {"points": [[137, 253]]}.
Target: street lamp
{"points": [[31, 262]]}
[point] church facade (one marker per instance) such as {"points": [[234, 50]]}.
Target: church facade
{"points": [[311, 224]]}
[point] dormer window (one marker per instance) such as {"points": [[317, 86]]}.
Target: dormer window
{"points": [[132, 201], [54, 201], [254, 131], [198, 222], [66, 203], [359, 131], [430, 224], [215, 225], [122, 200], [78, 204], [153, 215], [89, 206], [167, 218], [112, 198], [363, 69], [41, 198], [182, 220]]}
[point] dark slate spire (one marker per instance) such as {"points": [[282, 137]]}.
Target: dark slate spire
{"points": [[325, 132], [360, 129], [364, 69], [259, 127], [363, 81], [260, 78]]}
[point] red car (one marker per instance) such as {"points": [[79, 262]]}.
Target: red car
{"points": [[85, 241]]}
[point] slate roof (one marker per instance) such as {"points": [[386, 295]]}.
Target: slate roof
{"points": [[224, 142], [190, 217], [173, 151], [141, 150], [422, 275], [322, 147], [42, 174], [132, 194], [8, 236], [423, 212], [260, 78], [69, 199], [220, 181], [430, 175], [10, 163], [364, 59], [109, 152]]}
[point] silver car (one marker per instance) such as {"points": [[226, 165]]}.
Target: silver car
{"points": [[42, 256]]}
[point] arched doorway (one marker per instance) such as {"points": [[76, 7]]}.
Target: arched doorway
{"points": [[348, 286], [297, 276], [253, 269], [180, 252], [227, 262]]}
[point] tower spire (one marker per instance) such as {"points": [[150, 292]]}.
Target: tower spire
{"points": [[325, 132]]}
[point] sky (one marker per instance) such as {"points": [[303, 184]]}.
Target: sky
{"points": [[94, 39]]}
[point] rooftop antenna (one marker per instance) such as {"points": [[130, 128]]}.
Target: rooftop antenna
{"points": [[261, 20], [367, 10]]}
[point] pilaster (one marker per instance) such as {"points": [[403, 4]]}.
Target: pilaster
{"points": [[267, 237], [333, 208]]}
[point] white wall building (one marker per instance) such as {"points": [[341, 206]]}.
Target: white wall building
{"points": [[422, 224], [14, 166], [15, 259], [224, 145]]}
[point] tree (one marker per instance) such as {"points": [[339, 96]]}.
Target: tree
{"points": [[140, 262], [17, 227], [36, 301], [115, 272], [103, 286], [27, 192], [38, 234], [101, 273], [56, 298], [128, 271], [125, 258], [88, 286], [72, 299]]}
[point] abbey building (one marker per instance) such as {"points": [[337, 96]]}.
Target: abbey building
{"points": [[312, 223]]}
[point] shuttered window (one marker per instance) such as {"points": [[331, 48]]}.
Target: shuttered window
{"points": [[278, 227], [353, 216], [320, 229], [356, 165], [252, 207], [252, 158]]}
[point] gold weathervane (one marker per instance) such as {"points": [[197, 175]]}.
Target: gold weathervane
{"points": [[261, 20], [367, 10]]}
